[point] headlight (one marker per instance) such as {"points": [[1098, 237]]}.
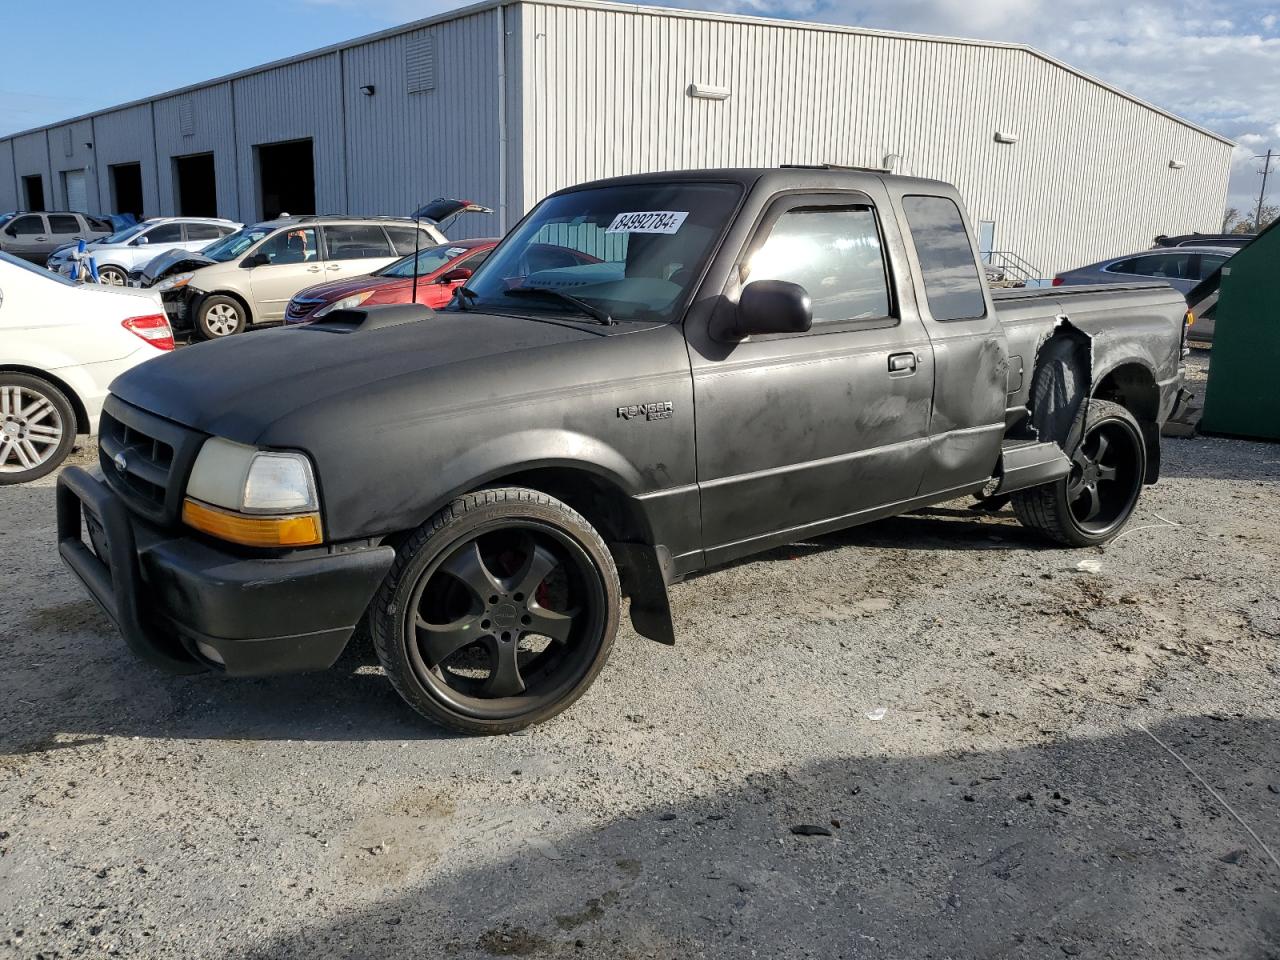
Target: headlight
{"points": [[346, 303], [260, 498], [174, 282]]}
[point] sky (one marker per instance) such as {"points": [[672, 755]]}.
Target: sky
{"points": [[1216, 62]]}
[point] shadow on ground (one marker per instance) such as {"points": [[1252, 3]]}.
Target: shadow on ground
{"points": [[1091, 847]]}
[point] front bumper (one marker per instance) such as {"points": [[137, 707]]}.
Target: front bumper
{"points": [[178, 307], [185, 606]]}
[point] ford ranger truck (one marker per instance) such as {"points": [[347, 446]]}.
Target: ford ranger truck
{"points": [[742, 359]]}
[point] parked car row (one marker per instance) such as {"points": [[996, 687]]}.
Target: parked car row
{"points": [[117, 256]]}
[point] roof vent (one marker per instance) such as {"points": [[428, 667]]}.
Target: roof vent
{"points": [[420, 63]]}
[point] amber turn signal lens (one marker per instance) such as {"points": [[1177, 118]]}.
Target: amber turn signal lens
{"points": [[1191, 318], [302, 530]]}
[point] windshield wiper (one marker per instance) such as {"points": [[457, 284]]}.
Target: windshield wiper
{"points": [[600, 316]]}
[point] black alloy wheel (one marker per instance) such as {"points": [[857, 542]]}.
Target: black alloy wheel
{"points": [[1093, 502], [499, 612]]}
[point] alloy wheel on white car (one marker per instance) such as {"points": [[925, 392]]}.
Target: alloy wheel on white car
{"points": [[37, 428], [112, 277]]}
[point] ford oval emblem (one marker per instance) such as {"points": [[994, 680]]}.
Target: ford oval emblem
{"points": [[120, 462]]}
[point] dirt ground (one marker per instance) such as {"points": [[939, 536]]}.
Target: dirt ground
{"points": [[1077, 754]]}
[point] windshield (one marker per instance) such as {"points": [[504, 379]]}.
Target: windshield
{"points": [[228, 248], [429, 261], [632, 252], [38, 271], [128, 233]]}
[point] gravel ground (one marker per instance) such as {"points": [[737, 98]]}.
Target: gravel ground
{"points": [[1023, 793]]}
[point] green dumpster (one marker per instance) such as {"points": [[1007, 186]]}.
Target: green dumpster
{"points": [[1243, 394]]}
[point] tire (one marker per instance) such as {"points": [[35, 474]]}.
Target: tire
{"points": [[220, 316], [113, 276], [455, 622], [37, 427], [1094, 501]]}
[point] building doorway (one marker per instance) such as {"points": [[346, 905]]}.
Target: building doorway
{"points": [[286, 178], [126, 188], [196, 185], [33, 191]]}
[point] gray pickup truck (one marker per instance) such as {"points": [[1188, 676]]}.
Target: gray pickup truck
{"points": [[650, 376]]}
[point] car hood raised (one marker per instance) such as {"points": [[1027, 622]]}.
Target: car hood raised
{"points": [[277, 387], [173, 261]]}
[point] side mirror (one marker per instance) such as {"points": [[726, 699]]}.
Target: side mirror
{"points": [[456, 275], [254, 260], [11, 232], [773, 306], [141, 242]]}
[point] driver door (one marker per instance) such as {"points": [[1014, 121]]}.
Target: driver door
{"points": [[801, 433], [293, 263]]}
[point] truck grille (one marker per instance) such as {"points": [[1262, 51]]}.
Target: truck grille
{"points": [[146, 459]]}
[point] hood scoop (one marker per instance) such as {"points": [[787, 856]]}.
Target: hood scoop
{"points": [[371, 318]]}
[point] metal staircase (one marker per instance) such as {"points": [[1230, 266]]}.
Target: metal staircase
{"points": [[1005, 268]]}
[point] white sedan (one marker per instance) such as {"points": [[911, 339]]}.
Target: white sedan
{"points": [[61, 344]]}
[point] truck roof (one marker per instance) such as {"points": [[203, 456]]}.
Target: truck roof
{"points": [[818, 175]]}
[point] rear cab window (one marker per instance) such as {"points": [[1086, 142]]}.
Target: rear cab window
{"points": [[64, 223], [945, 253]]}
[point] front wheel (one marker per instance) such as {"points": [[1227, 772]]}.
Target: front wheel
{"points": [[112, 276], [1092, 503], [220, 316], [37, 427], [499, 612]]}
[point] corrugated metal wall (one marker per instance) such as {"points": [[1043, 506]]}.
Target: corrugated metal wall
{"points": [[403, 149], [605, 93], [210, 128], [594, 91], [8, 179], [71, 150], [292, 102], [125, 136], [31, 158]]}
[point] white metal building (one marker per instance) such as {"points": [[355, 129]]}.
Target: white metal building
{"points": [[503, 102]]}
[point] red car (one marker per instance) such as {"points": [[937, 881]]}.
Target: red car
{"points": [[441, 270]]}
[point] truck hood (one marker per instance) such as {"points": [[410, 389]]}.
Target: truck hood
{"points": [[243, 387]]}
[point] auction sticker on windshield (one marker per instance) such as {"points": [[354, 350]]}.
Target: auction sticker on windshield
{"points": [[649, 221]]}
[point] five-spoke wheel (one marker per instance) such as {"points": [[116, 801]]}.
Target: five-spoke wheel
{"points": [[1094, 501], [499, 612]]}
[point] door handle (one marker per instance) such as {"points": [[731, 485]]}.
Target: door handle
{"points": [[902, 363], [313, 269], [335, 266]]}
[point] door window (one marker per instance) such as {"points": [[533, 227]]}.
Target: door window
{"points": [[291, 246], [28, 226], [63, 223], [1210, 264], [1165, 266], [835, 254], [165, 233], [203, 231], [402, 239], [356, 242], [945, 251]]}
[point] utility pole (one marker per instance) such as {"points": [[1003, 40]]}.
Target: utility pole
{"points": [[1262, 194]]}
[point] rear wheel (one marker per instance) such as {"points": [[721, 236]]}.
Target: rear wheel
{"points": [[37, 427], [220, 316], [1093, 502], [499, 612]]}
